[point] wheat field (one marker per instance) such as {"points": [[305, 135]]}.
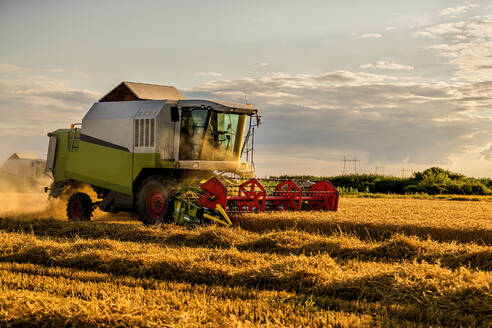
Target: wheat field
{"points": [[386, 262]]}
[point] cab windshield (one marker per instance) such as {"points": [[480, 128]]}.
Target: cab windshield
{"points": [[210, 135]]}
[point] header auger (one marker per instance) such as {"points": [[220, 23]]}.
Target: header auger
{"points": [[147, 149], [273, 195]]}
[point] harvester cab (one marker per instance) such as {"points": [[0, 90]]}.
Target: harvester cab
{"points": [[213, 137], [147, 149]]}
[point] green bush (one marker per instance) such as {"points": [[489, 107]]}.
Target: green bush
{"points": [[433, 181]]}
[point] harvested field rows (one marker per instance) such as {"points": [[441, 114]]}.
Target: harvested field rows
{"points": [[376, 262]]}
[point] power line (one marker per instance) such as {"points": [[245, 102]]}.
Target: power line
{"points": [[379, 168], [409, 171], [345, 160]]}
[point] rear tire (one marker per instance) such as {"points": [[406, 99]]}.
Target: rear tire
{"points": [[153, 200], [79, 207]]}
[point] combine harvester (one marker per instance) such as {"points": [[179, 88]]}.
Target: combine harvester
{"points": [[146, 149]]}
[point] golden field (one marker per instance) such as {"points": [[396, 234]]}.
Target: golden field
{"points": [[385, 262]]}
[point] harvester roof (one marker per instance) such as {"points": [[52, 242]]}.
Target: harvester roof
{"points": [[131, 91], [220, 106]]}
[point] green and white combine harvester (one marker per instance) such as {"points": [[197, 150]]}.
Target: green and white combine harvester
{"points": [[148, 150]]}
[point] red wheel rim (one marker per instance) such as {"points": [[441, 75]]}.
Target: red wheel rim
{"points": [[75, 210], [155, 204]]}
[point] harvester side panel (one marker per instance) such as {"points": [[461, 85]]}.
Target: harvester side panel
{"points": [[153, 137], [101, 165], [61, 154], [112, 122], [109, 154]]}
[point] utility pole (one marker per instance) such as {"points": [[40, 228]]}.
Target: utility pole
{"points": [[379, 168], [403, 171], [345, 160]]}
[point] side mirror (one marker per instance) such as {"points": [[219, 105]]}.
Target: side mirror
{"points": [[174, 114]]}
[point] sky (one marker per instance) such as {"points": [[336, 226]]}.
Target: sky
{"points": [[398, 85]]}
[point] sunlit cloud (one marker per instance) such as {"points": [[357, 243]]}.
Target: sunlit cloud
{"points": [[487, 153], [385, 64], [421, 100], [55, 70], [208, 74], [456, 11], [9, 68], [80, 74], [387, 118], [468, 45], [370, 35], [33, 105]]}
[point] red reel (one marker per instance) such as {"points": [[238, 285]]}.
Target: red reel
{"points": [[288, 196], [323, 196], [214, 193], [254, 194]]}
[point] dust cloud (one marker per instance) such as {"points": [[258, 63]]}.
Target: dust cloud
{"points": [[21, 195], [28, 200], [21, 204]]}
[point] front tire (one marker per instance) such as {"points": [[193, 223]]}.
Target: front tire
{"points": [[79, 207], [153, 201]]}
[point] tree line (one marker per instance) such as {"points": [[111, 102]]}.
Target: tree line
{"points": [[433, 181]]}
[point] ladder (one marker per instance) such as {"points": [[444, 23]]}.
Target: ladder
{"points": [[74, 137]]}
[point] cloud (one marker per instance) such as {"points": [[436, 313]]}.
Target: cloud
{"points": [[34, 105], [384, 64], [440, 29], [75, 73], [9, 68], [283, 81], [55, 70], [80, 74], [467, 44], [456, 11], [310, 121], [384, 119], [370, 35], [477, 28], [487, 153], [208, 74]]}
